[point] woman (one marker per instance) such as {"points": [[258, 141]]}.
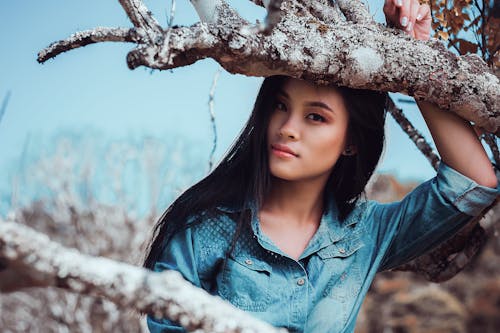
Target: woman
{"points": [[279, 228]]}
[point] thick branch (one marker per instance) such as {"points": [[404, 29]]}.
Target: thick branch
{"points": [[344, 54], [366, 56], [31, 259], [87, 37], [417, 138]]}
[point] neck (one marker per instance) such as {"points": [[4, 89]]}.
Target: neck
{"points": [[299, 202]]}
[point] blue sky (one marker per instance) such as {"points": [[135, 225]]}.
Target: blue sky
{"points": [[91, 88]]}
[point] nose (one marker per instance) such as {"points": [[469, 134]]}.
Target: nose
{"points": [[290, 128]]}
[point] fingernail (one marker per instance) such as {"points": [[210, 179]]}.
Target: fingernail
{"points": [[409, 27], [419, 17], [400, 2], [404, 21]]}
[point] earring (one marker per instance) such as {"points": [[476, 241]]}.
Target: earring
{"points": [[348, 151]]}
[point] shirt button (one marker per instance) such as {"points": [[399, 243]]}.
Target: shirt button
{"points": [[342, 250], [248, 262], [301, 282]]}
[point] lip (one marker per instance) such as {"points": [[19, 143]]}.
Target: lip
{"points": [[283, 151]]}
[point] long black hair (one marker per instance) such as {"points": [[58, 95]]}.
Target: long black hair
{"points": [[243, 177]]}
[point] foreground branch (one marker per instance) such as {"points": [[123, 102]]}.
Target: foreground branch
{"points": [[352, 52], [30, 259]]}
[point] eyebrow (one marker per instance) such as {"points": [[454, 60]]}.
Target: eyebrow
{"points": [[313, 103]]}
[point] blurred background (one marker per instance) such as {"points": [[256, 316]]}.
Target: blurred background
{"points": [[92, 152]]}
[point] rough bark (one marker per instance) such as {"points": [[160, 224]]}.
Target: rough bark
{"points": [[30, 259], [349, 50]]}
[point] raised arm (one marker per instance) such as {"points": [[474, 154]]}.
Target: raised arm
{"points": [[458, 144], [454, 137]]}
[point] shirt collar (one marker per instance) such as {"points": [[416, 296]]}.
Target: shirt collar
{"points": [[330, 229]]}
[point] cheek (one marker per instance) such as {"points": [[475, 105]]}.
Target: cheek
{"points": [[272, 126], [329, 142], [327, 149]]}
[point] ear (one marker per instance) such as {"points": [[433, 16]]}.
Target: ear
{"points": [[350, 150]]}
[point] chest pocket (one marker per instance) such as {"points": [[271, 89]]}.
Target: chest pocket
{"points": [[343, 266], [245, 282]]}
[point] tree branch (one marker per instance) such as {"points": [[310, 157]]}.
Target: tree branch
{"points": [[140, 16], [273, 16], [216, 12], [5, 102], [30, 259], [212, 118], [490, 140], [367, 56], [87, 37], [259, 3], [417, 138]]}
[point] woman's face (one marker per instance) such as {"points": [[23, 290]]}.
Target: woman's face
{"points": [[310, 122]]}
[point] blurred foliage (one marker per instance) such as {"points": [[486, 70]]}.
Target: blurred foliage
{"points": [[469, 26]]}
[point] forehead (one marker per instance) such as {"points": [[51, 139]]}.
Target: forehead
{"points": [[307, 91]]}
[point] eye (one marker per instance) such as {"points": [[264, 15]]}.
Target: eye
{"points": [[280, 106], [316, 117]]}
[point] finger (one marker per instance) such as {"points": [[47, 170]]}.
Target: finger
{"points": [[424, 12], [415, 4], [404, 13]]}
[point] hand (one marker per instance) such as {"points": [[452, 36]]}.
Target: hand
{"points": [[410, 16]]}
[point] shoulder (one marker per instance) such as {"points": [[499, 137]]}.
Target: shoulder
{"points": [[213, 226], [212, 233], [361, 211]]}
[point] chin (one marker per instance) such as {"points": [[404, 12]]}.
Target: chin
{"points": [[285, 173]]}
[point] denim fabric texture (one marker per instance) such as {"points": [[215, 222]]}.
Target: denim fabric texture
{"points": [[324, 289]]}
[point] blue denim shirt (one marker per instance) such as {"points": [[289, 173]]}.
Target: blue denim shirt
{"points": [[323, 290]]}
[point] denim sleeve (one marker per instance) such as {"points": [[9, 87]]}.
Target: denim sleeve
{"points": [[427, 216], [178, 255]]}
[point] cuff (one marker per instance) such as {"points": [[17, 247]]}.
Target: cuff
{"points": [[465, 194], [162, 326]]}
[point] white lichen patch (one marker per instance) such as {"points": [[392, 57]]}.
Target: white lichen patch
{"points": [[247, 30], [237, 42], [367, 61], [279, 41], [320, 63], [295, 57]]}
